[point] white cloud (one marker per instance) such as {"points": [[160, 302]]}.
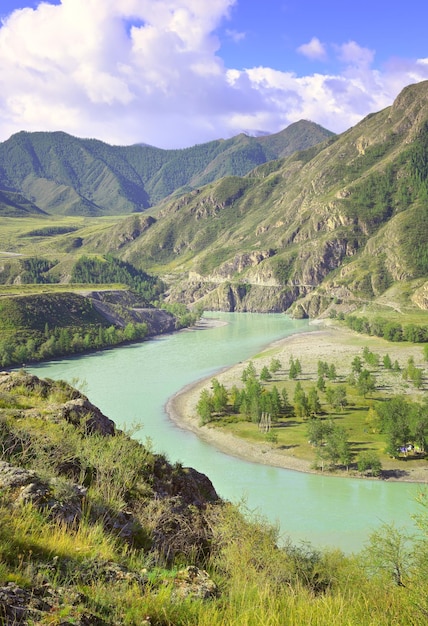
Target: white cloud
{"points": [[235, 35], [313, 50], [351, 53], [150, 71]]}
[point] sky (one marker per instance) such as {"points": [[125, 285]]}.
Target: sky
{"points": [[175, 73]]}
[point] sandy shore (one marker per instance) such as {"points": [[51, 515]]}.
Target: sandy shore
{"points": [[326, 343]]}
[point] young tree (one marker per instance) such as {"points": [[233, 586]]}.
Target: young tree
{"points": [[204, 407], [339, 397], [292, 374], [332, 374], [321, 383], [275, 365], [249, 372], [369, 461], [394, 417], [356, 365], [365, 382], [301, 407], [337, 445], [387, 363], [286, 406], [314, 404], [219, 397], [265, 374], [322, 368]]}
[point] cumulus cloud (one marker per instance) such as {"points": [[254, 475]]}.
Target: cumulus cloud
{"points": [[313, 50], [150, 71]]}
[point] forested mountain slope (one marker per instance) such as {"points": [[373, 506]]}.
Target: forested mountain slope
{"points": [[65, 175], [346, 221]]}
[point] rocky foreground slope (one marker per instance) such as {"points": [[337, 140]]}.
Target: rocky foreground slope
{"points": [[66, 469]]}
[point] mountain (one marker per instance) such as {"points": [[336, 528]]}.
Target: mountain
{"points": [[65, 175], [339, 222], [16, 205]]}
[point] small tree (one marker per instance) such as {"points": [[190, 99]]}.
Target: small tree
{"points": [[249, 372], [275, 365], [265, 374], [219, 397], [357, 365], [365, 382], [369, 462], [204, 407], [387, 363], [314, 404]]}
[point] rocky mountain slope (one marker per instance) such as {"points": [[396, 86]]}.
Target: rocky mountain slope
{"points": [[342, 221], [63, 175]]}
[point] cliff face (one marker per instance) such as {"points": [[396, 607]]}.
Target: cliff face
{"points": [[120, 307]]}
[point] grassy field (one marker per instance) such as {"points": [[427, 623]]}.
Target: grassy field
{"points": [[16, 233]]}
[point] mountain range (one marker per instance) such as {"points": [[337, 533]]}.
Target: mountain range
{"points": [[59, 174], [300, 221], [344, 220]]}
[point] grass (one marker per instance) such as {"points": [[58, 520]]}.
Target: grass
{"points": [[13, 233], [34, 289]]}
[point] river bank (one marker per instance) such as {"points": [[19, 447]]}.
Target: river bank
{"points": [[325, 342]]}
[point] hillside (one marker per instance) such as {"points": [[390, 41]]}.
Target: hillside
{"points": [[97, 529], [64, 175], [43, 323], [342, 222]]}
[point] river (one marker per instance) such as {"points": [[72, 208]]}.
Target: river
{"points": [[131, 385]]}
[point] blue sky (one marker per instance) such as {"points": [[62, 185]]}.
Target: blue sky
{"points": [[173, 73]]}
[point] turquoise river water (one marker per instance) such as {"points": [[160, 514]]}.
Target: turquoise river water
{"points": [[132, 384]]}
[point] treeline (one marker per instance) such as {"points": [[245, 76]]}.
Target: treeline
{"points": [[109, 269], [50, 231], [392, 331], [87, 270], [21, 348]]}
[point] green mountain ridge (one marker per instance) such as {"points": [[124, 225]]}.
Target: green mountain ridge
{"points": [[65, 175], [343, 220]]}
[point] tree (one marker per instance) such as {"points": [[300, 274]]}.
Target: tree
{"points": [[321, 383], [235, 397], [204, 407], [316, 431], [389, 550], [322, 368], [314, 404], [249, 372], [265, 374], [275, 365], [286, 406], [293, 372], [387, 363], [219, 397], [357, 365], [369, 461], [339, 397], [365, 382], [394, 415], [274, 400], [301, 406], [420, 430], [332, 374], [337, 445]]}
